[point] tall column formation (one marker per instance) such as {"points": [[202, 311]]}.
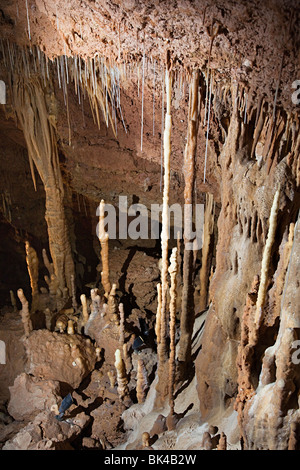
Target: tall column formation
{"points": [[162, 347], [29, 100], [103, 237], [161, 329], [187, 308]]}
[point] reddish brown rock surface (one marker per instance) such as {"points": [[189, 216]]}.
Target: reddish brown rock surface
{"points": [[29, 396], [59, 357]]}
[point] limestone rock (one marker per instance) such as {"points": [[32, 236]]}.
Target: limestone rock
{"points": [[29, 396], [54, 356], [11, 332], [46, 433]]}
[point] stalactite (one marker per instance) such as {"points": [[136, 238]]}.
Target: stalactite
{"points": [[173, 270], [207, 131], [98, 96], [142, 382], [207, 235], [258, 125], [33, 270], [29, 101], [13, 300], [187, 309], [162, 129], [48, 265], [153, 104], [266, 259], [104, 237], [25, 314], [143, 87]]}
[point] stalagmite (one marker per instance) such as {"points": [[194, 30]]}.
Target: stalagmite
{"points": [[142, 382], [73, 292], [266, 260], [153, 105], [127, 358], [28, 21], [187, 309], [53, 284], [61, 323], [70, 328], [103, 237], [146, 441], [173, 270], [121, 376], [112, 378], [112, 305], [85, 313], [122, 325], [222, 442], [96, 301], [158, 314], [33, 270], [25, 314], [293, 438]]}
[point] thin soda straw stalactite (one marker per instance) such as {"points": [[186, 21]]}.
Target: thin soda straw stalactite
{"points": [[162, 129], [58, 72], [207, 131], [143, 87], [153, 123], [28, 21]]}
